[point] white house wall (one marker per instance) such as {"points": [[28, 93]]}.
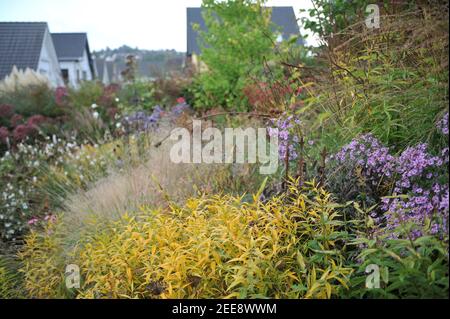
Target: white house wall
{"points": [[48, 62], [78, 67]]}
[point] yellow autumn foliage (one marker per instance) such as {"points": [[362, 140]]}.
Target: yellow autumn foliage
{"points": [[290, 246]]}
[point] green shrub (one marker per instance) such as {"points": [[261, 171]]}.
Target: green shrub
{"points": [[32, 100], [87, 94], [408, 268], [239, 40]]}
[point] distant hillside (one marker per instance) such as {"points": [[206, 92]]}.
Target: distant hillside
{"points": [[151, 63]]}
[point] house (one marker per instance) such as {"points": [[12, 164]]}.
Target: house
{"points": [[74, 57], [283, 17], [28, 46], [108, 70]]}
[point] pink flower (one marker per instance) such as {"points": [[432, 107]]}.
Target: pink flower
{"points": [[20, 132], [181, 100], [33, 221], [50, 218], [36, 120]]}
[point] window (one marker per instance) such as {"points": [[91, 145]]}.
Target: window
{"points": [[65, 75]]}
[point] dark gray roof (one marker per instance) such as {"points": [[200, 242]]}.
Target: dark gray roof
{"points": [[20, 45], [71, 46], [283, 17]]}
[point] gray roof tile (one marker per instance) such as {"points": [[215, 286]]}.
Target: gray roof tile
{"points": [[20, 45], [69, 46]]}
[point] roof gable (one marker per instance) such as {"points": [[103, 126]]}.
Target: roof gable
{"points": [[69, 46], [20, 45], [283, 17]]}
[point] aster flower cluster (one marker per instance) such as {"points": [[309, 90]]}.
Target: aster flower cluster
{"points": [[415, 173], [287, 137], [419, 175], [367, 152], [141, 122]]}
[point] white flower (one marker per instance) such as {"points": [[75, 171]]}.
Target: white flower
{"points": [[94, 106], [117, 99], [118, 125], [34, 179], [95, 115]]}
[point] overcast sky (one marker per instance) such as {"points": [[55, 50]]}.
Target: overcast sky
{"points": [[146, 24]]}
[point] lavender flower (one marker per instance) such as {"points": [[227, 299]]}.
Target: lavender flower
{"points": [[415, 174], [141, 122], [287, 139]]}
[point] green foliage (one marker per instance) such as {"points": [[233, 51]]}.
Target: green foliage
{"points": [[327, 17], [408, 268], [395, 87], [137, 95], [238, 42], [400, 108], [87, 94], [31, 100]]}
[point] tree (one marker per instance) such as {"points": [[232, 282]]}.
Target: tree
{"points": [[238, 41]]}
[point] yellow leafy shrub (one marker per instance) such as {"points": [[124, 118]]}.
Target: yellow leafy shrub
{"points": [[43, 264], [213, 247]]}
